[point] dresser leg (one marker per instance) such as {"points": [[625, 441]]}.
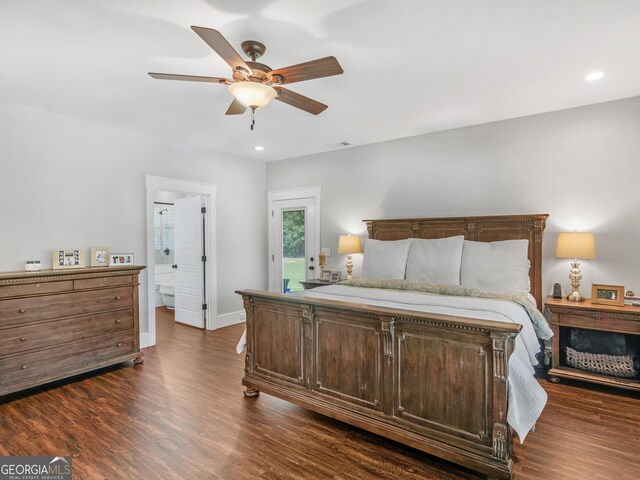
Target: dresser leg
{"points": [[250, 392], [139, 359]]}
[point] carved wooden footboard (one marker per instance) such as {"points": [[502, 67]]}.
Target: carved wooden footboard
{"points": [[434, 382]]}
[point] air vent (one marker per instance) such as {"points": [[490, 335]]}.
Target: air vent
{"points": [[339, 144]]}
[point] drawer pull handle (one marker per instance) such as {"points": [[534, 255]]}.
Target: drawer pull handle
{"points": [[118, 297], [22, 310], [119, 344], [22, 339], [24, 367], [37, 285], [118, 321]]}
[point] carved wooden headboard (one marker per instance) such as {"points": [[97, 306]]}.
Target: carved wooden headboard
{"points": [[479, 229]]}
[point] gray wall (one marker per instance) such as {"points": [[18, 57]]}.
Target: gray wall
{"points": [[65, 182], [582, 166]]}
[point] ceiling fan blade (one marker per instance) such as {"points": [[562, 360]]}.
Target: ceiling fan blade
{"points": [[236, 108], [189, 78], [323, 67], [215, 40], [300, 101]]}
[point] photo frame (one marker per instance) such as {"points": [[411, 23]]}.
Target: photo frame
{"points": [[121, 259], [607, 294], [99, 256], [335, 276], [325, 275], [68, 258]]}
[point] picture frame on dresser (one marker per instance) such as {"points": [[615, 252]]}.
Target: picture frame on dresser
{"points": [[68, 258], [607, 294], [99, 256], [121, 259]]}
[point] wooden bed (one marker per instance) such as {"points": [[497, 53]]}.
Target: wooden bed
{"points": [[434, 382]]}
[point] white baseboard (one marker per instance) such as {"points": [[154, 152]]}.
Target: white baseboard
{"points": [[227, 319]]}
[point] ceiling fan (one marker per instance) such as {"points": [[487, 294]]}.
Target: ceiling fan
{"points": [[253, 84]]}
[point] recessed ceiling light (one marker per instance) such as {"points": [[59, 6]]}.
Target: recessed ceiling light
{"points": [[259, 148], [593, 76]]}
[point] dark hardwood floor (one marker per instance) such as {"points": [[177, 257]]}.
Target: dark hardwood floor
{"points": [[182, 415]]}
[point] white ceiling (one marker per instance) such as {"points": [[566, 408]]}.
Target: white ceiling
{"points": [[411, 66]]}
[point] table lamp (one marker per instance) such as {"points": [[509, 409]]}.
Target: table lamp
{"points": [[576, 245], [349, 244]]}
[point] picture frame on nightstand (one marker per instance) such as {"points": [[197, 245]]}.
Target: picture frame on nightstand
{"points": [[607, 294]]}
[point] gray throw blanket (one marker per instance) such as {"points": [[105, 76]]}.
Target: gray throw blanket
{"points": [[540, 324]]}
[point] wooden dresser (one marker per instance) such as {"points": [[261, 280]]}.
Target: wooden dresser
{"points": [[59, 323]]}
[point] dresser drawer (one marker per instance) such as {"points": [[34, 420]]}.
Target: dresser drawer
{"points": [[35, 289], [43, 363], [51, 334], [102, 282], [601, 321], [26, 310]]}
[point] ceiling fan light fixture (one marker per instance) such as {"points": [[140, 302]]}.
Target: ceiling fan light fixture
{"points": [[252, 94]]}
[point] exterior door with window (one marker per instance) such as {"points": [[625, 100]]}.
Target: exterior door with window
{"points": [[294, 254]]}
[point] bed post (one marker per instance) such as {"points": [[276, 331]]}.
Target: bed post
{"points": [[502, 347], [248, 359]]}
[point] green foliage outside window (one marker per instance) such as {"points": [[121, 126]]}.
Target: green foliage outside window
{"points": [[293, 234]]}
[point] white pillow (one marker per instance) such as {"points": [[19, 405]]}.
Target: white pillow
{"points": [[385, 259], [496, 266], [435, 260]]}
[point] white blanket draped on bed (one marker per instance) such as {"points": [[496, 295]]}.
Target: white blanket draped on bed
{"points": [[526, 397]]}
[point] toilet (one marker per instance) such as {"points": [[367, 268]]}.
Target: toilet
{"points": [[167, 293]]}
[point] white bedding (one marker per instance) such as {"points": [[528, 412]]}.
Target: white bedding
{"points": [[526, 397]]}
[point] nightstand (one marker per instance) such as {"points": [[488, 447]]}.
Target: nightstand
{"points": [[315, 282], [565, 315]]}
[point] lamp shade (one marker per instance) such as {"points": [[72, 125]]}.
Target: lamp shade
{"points": [[349, 244], [252, 94], [576, 245]]}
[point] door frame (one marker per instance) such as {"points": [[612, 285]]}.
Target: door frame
{"points": [[208, 192], [293, 194]]}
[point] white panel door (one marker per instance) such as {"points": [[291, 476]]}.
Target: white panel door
{"points": [[188, 259]]}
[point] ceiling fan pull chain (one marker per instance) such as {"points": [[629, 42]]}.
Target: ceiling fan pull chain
{"points": [[253, 119]]}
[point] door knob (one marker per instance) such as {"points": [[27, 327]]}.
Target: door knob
{"points": [[174, 266], [311, 259], [312, 267]]}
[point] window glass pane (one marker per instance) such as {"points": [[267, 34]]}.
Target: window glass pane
{"points": [[293, 250]]}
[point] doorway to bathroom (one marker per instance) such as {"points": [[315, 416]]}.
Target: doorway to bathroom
{"points": [[180, 254]]}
